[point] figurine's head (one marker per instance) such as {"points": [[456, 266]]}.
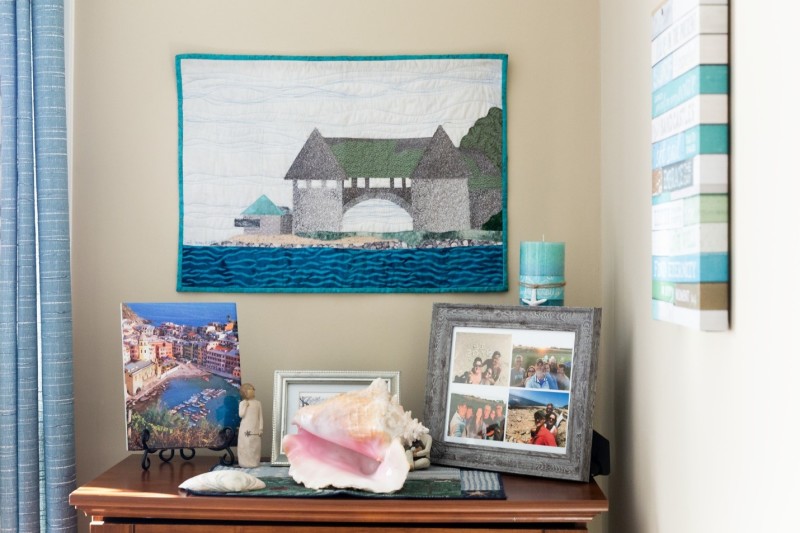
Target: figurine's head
{"points": [[247, 391]]}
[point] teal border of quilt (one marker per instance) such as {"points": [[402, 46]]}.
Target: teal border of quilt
{"points": [[247, 57]]}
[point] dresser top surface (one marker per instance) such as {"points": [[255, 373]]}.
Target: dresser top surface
{"points": [[127, 491]]}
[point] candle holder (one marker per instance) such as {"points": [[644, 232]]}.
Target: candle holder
{"points": [[541, 273]]}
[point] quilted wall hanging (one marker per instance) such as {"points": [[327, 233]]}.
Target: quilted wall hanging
{"points": [[342, 174]]}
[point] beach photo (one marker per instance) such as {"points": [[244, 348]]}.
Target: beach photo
{"points": [[481, 356], [181, 373], [538, 418]]}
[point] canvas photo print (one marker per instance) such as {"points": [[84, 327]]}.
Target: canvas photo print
{"points": [[181, 373], [342, 174]]}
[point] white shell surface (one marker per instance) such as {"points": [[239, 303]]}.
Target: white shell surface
{"points": [[223, 481]]}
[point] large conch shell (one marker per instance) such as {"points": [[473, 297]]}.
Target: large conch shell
{"points": [[354, 440]]}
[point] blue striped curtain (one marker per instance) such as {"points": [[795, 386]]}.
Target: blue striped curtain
{"points": [[37, 441]]}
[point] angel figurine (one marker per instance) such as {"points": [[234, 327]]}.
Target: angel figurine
{"points": [[251, 427]]}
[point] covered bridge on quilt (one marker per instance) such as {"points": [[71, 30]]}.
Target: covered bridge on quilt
{"points": [[427, 177]]}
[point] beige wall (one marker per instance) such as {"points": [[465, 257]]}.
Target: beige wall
{"points": [[701, 420], [125, 183]]}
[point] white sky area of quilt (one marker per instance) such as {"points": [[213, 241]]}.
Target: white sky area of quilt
{"points": [[244, 122]]}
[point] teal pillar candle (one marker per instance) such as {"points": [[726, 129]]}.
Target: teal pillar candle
{"points": [[541, 273]]}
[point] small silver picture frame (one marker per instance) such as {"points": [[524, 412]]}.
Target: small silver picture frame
{"points": [[293, 388]]}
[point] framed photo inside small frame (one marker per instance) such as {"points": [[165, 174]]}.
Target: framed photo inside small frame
{"points": [[511, 388], [296, 388]]}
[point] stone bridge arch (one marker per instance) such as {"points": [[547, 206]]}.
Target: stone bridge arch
{"points": [[367, 194], [380, 212]]}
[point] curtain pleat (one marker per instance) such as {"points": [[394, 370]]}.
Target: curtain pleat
{"points": [[27, 330], [9, 501], [54, 264], [36, 401]]}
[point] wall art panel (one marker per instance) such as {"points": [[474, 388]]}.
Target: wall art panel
{"points": [[690, 164], [342, 174]]}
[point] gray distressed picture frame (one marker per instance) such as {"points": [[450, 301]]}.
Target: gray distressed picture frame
{"points": [[291, 385], [537, 327]]}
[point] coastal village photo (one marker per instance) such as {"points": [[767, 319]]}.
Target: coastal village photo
{"points": [[181, 371]]}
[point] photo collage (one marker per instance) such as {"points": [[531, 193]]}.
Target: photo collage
{"points": [[510, 388]]}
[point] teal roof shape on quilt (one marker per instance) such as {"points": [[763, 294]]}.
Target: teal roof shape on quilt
{"points": [[263, 207]]}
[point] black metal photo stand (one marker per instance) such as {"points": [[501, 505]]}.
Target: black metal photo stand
{"points": [[226, 435]]}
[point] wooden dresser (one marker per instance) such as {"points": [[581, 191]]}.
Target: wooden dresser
{"points": [[127, 499]]}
